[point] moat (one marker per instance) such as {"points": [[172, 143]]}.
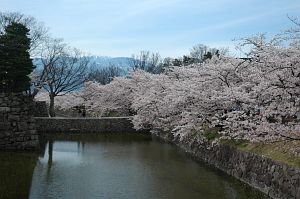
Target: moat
{"points": [[112, 166]]}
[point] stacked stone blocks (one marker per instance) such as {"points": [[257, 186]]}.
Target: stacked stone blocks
{"points": [[275, 179], [17, 125]]}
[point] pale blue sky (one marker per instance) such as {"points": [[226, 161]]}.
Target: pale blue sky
{"points": [[170, 27]]}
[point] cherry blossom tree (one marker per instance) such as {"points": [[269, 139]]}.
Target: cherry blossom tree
{"points": [[255, 99]]}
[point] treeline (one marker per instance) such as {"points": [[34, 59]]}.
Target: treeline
{"points": [[154, 63], [255, 99]]}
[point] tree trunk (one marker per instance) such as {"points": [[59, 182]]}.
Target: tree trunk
{"points": [[51, 107]]}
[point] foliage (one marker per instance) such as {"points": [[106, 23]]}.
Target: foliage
{"points": [[15, 62]]}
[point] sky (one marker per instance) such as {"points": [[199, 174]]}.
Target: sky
{"points": [[120, 28]]}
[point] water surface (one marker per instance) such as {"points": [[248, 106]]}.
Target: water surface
{"points": [[113, 166]]}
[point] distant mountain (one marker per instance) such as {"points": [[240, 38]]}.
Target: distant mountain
{"points": [[101, 61]]}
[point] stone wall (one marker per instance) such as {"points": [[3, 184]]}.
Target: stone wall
{"points": [[40, 109], [275, 179], [17, 126], [85, 125]]}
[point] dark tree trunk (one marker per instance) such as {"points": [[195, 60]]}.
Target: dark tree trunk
{"points": [[51, 107]]}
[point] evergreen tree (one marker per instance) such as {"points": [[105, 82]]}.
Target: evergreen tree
{"points": [[177, 62], [208, 55], [15, 62]]}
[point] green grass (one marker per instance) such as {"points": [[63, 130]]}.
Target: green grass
{"points": [[111, 114], [281, 151], [211, 133]]}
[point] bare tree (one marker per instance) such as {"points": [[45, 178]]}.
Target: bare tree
{"points": [[167, 61], [155, 63], [199, 53], [64, 70], [38, 32], [292, 33], [150, 62], [105, 75], [140, 61], [50, 53]]}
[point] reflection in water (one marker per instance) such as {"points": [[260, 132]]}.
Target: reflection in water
{"points": [[50, 153], [16, 170], [125, 166]]}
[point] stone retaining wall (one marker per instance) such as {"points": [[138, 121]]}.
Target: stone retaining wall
{"points": [[85, 125], [17, 126], [275, 179], [40, 109]]}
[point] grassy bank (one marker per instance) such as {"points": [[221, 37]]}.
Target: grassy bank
{"points": [[286, 151]]}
